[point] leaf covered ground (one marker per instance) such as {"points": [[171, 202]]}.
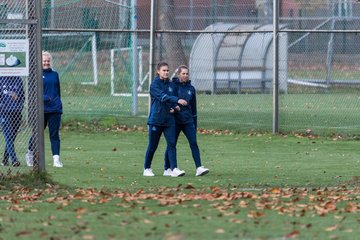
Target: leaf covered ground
{"points": [[259, 187], [176, 213]]}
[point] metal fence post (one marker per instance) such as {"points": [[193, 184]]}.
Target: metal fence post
{"points": [[39, 81], [36, 108], [135, 59], [152, 44], [275, 128]]}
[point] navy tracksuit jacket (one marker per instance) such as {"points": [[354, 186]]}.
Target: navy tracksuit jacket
{"points": [[52, 95], [163, 98], [186, 120], [12, 99], [52, 109]]}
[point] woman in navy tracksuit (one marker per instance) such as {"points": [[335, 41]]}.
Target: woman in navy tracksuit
{"points": [[186, 119], [52, 111], [12, 99], [161, 119]]}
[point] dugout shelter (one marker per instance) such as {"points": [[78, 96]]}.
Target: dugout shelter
{"points": [[237, 62]]}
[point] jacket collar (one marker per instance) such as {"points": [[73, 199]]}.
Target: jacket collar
{"points": [[163, 81], [177, 81]]}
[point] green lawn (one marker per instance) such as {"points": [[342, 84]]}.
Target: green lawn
{"points": [[324, 114], [325, 111], [259, 187]]}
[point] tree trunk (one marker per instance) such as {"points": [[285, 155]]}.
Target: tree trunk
{"points": [[171, 43]]}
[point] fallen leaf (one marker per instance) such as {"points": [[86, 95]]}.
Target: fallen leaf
{"points": [[293, 234], [166, 212], [220, 230], [331, 228], [88, 237], [80, 210], [147, 221], [255, 214], [23, 233], [275, 190], [174, 237], [189, 186]]}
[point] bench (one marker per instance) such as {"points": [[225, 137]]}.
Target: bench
{"points": [[239, 84]]}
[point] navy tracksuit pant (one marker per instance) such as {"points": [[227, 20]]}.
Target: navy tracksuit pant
{"points": [[190, 132], [53, 121], [154, 138], [10, 124]]}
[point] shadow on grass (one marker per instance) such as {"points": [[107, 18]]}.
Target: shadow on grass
{"points": [[31, 180], [354, 182]]}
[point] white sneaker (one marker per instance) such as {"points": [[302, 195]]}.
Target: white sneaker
{"points": [[167, 173], [148, 172], [177, 172], [200, 171], [29, 158], [57, 162]]}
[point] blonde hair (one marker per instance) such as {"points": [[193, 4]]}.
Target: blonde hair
{"points": [[181, 67], [46, 53]]}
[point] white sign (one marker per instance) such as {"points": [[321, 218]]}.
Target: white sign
{"points": [[14, 57]]}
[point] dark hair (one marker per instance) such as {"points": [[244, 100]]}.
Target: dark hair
{"points": [[161, 64], [181, 67]]}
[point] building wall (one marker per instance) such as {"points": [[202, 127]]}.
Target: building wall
{"points": [[290, 8], [188, 14]]}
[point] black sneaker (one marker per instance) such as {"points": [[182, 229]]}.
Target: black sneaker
{"points": [[16, 164], [4, 164]]}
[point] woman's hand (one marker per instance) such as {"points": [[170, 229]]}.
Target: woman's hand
{"points": [[14, 96], [182, 102]]}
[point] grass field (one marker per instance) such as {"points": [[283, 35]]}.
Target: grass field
{"points": [[325, 111], [260, 186], [325, 114]]}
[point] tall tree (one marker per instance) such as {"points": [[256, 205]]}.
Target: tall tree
{"points": [[174, 52]]}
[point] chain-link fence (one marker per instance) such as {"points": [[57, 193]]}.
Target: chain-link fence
{"points": [[19, 75], [105, 52], [229, 47]]}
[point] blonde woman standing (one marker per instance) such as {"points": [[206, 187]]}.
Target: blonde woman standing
{"points": [[52, 111]]}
